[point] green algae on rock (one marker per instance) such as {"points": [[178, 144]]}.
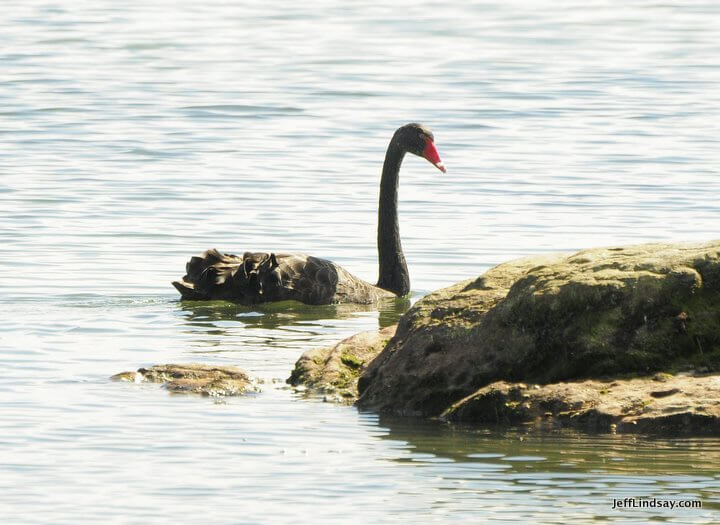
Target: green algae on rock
{"points": [[599, 312], [207, 380], [335, 371]]}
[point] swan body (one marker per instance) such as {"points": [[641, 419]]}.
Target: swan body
{"points": [[264, 277], [258, 277]]}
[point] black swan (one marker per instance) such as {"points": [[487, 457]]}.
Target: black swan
{"points": [[263, 277]]}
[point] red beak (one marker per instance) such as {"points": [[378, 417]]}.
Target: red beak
{"points": [[431, 153]]}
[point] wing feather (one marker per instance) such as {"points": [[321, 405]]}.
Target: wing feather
{"points": [[257, 277]]}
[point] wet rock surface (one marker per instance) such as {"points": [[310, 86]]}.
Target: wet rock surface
{"points": [[662, 404], [201, 379]]}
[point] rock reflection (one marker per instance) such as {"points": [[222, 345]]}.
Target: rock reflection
{"points": [[557, 451]]}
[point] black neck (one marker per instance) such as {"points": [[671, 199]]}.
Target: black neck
{"points": [[394, 275]]}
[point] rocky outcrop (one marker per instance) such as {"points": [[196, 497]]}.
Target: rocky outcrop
{"points": [[207, 380], [334, 371], [596, 313], [663, 404]]}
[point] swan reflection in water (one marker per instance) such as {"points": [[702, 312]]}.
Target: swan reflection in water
{"points": [[215, 315]]}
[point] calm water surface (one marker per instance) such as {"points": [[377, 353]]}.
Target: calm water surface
{"points": [[134, 135]]}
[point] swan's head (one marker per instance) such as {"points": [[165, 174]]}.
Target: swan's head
{"points": [[419, 140]]}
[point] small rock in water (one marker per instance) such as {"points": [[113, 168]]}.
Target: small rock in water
{"points": [[130, 377], [208, 380]]}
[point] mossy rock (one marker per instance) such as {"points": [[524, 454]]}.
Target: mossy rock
{"points": [[351, 361], [208, 380], [334, 371], [663, 404], [601, 312]]}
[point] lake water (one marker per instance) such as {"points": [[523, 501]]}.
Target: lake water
{"points": [[136, 134]]}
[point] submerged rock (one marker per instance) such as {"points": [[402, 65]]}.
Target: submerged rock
{"points": [[596, 313], [335, 371], [207, 380], [678, 405]]}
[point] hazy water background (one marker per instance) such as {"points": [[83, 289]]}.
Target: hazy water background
{"points": [[136, 134]]}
